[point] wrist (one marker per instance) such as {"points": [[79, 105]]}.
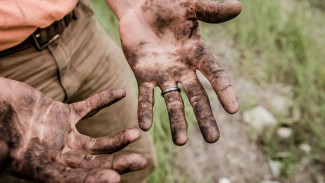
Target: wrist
{"points": [[121, 7]]}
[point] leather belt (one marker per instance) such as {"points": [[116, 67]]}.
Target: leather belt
{"points": [[42, 38]]}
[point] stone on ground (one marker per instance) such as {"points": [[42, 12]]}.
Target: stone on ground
{"points": [[284, 132], [259, 118]]}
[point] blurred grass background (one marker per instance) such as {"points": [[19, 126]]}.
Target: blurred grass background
{"points": [[283, 41], [278, 41]]}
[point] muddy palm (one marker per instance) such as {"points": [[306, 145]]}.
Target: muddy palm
{"points": [[45, 146], [162, 43]]}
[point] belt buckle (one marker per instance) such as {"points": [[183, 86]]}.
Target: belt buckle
{"points": [[42, 47]]}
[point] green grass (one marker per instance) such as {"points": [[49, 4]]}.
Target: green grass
{"points": [[283, 41], [106, 18], [318, 4]]}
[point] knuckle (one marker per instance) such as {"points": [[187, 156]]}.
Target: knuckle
{"points": [[223, 89], [218, 74], [175, 104]]}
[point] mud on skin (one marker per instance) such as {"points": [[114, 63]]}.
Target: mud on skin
{"points": [[162, 43], [44, 145]]}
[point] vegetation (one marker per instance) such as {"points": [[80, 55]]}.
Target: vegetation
{"points": [[318, 4], [278, 41], [282, 41]]}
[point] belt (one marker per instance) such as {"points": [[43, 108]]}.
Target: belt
{"points": [[42, 38]]}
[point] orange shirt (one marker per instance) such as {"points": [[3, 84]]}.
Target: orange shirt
{"points": [[20, 18]]}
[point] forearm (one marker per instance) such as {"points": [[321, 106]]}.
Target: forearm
{"points": [[121, 7]]}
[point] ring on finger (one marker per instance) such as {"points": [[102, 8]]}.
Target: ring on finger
{"points": [[170, 90]]}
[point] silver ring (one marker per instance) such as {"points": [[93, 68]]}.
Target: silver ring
{"points": [[170, 90]]}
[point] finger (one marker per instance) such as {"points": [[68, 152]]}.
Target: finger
{"points": [[217, 11], [145, 107], [104, 145], [175, 108], [122, 163], [92, 105], [219, 81], [4, 155], [54, 172], [202, 109]]}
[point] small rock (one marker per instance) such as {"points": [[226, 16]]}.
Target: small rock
{"points": [[284, 132], [275, 167], [305, 147], [259, 117], [224, 180], [276, 103], [281, 104]]}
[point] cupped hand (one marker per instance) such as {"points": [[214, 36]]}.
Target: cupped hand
{"points": [[45, 146], [163, 46]]}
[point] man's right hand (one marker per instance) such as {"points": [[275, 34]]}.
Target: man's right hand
{"points": [[162, 43], [45, 146]]}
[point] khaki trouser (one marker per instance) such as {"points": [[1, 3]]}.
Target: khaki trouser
{"points": [[84, 61]]}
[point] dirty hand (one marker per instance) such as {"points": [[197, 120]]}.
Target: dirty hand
{"points": [[162, 43], [4, 153], [45, 146]]}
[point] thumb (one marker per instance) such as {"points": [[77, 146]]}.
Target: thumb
{"points": [[94, 104], [217, 11]]}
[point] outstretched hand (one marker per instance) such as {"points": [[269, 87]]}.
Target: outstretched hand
{"points": [[45, 146], [162, 43]]}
